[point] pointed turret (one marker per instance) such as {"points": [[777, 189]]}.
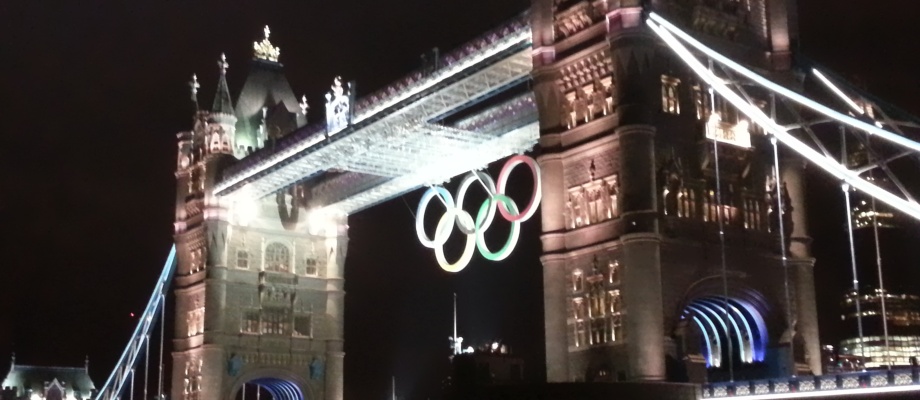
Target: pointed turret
{"points": [[266, 106], [193, 84], [221, 136], [223, 104]]}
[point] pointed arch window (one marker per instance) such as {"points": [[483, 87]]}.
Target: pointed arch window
{"points": [[670, 103], [277, 257]]}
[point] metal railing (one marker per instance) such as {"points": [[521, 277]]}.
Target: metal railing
{"points": [[865, 382], [139, 343]]}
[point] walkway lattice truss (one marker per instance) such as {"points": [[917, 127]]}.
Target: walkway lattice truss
{"points": [[739, 97], [398, 138]]}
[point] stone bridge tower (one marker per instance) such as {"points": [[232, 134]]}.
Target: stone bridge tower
{"points": [[633, 282], [259, 285]]}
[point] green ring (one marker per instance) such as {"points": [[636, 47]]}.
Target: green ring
{"points": [[511, 242]]}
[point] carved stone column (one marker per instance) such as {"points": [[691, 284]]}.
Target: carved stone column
{"points": [[554, 312], [801, 264], [632, 48], [336, 248]]}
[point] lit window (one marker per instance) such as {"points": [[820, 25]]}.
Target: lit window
{"points": [[669, 99], [613, 301], [195, 321], [613, 272], [701, 102], [577, 281], [242, 259], [277, 258], [578, 308], [276, 321]]}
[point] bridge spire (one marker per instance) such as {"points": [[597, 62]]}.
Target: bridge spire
{"points": [[194, 86], [222, 102]]}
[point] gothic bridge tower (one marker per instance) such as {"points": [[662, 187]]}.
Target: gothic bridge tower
{"points": [[634, 287], [259, 287]]}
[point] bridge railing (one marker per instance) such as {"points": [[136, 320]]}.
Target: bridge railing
{"points": [[139, 343], [897, 379]]}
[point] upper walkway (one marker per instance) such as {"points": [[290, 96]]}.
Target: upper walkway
{"points": [[396, 141]]}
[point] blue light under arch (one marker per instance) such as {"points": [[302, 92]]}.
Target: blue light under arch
{"points": [[280, 389], [749, 332]]}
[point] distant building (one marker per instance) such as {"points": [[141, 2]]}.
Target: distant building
{"points": [[30, 382], [492, 372], [488, 366], [903, 330]]}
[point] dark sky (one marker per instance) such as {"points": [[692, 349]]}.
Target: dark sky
{"points": [[94, 91]]}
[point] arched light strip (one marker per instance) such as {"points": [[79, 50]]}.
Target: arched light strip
{"points": [[718, 313], [846, 119], [745, 349], [280, 389], [760, 342], [757, 115], [708, 350], [715, 357]]}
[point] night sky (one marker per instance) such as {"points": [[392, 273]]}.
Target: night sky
{"points": [[94, 91]]}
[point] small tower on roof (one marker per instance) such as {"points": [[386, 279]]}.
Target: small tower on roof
{"points": [[266, 107], [222, 130]]}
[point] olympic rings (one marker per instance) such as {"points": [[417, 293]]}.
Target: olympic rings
{"points": [[475, 229], [537, 195]]}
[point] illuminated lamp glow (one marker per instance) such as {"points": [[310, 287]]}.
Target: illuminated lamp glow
{"points": [[831, 393], [245, 206], [837, 91], [535, 198], [488, 208], [779, 133], [35, 396], [873, 129]]}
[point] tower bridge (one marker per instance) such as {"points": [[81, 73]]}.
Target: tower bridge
{"points": [[674, 240]]}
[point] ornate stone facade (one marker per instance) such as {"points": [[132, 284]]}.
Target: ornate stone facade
{"points": [[259, 285], [631, 209]]}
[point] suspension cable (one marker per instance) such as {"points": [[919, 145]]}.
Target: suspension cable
{"points": [[715, 148], [147, 360], [131, 394], [881, 282], [849, 211], [780, 214], [162, 329]]}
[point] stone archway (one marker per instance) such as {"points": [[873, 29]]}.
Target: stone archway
{"points": [[270, 385], [726, 326]]}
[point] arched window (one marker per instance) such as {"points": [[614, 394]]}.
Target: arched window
{"points": [[613, 272], [277, 258], [577, 281], [242, 259]]}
